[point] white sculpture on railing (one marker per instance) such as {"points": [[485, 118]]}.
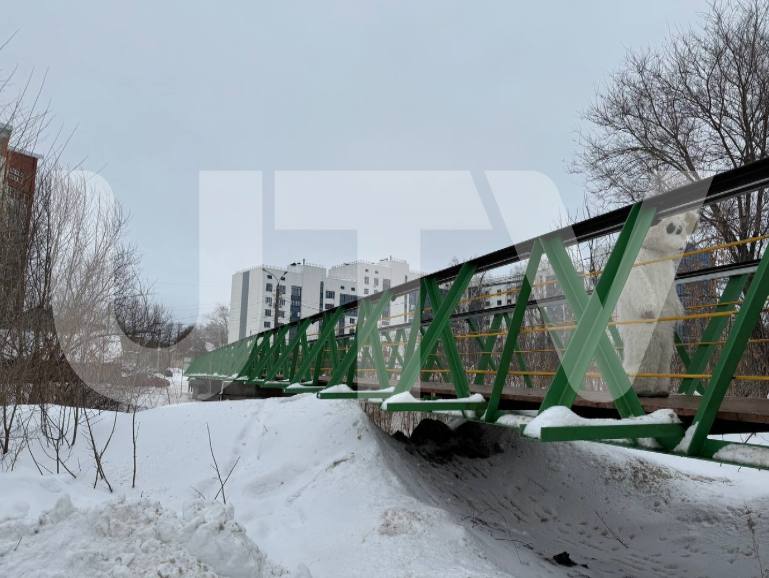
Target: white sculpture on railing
{"points": [[650, 294]]}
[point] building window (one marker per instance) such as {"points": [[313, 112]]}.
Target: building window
{"points": [[328, 306], [351, 288], [268, 300], [352, 320], [282, 303], [376, 281], [296, 291], [280, 313], [376, 272], [16, 174], [268, 312], [366, 280], [330, 294], [366, 270], [345, 298], [499, 302], [269, 276], [268, 287], [365, 291], [267, 324], [341, 287]]}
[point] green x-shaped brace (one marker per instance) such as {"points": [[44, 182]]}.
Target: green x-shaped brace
{"points": [[590, 340]]}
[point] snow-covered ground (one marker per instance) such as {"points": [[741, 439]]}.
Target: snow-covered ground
{"points": [[318, 491]]}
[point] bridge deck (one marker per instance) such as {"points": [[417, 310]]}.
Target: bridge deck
{"points": [[737, 414]]}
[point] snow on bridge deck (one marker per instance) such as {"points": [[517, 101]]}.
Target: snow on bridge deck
{"points": [[736, 414]]}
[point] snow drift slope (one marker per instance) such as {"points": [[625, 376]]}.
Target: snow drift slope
{"points": [[320, 492], [311, 490]]}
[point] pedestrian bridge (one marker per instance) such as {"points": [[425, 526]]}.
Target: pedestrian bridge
{"points": [[549, 360]]}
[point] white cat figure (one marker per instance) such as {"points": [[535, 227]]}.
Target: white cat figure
{"points": [[650, 293]]}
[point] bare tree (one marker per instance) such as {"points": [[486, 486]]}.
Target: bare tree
{"points": [[222, 479], [217, 325], [696, 106], [98, 452], [134, 440]]}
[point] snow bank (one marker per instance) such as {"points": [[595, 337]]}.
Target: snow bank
{"points": [[560, 415], [320, 491], [313, 489], [131, 539]]}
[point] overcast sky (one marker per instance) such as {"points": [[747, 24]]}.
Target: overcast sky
{"points": [[160, 91]]}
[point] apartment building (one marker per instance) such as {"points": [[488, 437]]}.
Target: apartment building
{"points": [[18, 172], [265, 296]]}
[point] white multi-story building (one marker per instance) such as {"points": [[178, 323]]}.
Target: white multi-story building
{"points": [[502, 291], [261, 293]]}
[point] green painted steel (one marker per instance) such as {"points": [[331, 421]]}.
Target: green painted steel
{"points": [[513, 330], [455, 365], [353, 346], [277, 355], [425, 346], [608, 361], [594, 313], [327, 329], [225, 363], [364, 334], [395, 356], [611, 432], [683, 353], [746, 319], [715, 327], [415, 328], [437, 405], [374, 344], [287, 364], [257, 359], [486, 346], [441, 319]]}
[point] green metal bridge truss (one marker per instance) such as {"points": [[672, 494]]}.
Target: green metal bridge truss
{"points": [[417, 366]]}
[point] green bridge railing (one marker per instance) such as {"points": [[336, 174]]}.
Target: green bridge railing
{"points": [[317, 354]]}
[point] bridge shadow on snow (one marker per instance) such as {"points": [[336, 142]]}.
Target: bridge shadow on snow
{"points": [[612, 511]]}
